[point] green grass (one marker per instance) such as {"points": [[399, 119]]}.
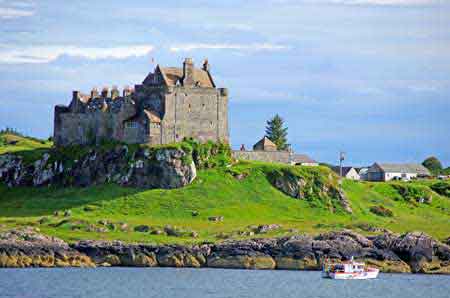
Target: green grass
{"points": [[30, 149], [216, 192]]}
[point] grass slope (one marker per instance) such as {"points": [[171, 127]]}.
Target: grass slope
{"points": [[29, 148], [216, 192]]}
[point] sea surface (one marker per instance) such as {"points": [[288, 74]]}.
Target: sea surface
{"points": [[189, 283]]}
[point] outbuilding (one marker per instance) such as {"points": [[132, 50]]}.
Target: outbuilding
{"points": [[393, 171]]}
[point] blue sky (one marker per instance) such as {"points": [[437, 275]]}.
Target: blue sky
{"points": [[370, 77]]}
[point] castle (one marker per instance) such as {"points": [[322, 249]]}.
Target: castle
{"points": [[171, 104]]}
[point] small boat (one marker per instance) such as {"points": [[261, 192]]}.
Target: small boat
{"points": [[348, 270]]}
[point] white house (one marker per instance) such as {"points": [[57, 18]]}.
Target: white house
{"points": [[347, 172], [390, 171]]}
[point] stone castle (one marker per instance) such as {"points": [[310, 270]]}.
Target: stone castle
{"points": [[172, 103]]}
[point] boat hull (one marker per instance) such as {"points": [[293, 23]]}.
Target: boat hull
{"points": [[354, 275]]}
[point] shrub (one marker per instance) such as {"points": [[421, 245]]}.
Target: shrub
{"points": [[413, 193], [442, 188], [381, 211]]}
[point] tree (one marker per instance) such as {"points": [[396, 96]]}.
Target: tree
{"points": [[433, 165], [276, 132]]}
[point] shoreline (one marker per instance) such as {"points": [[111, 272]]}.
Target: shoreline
{"points": [[413, 252]]}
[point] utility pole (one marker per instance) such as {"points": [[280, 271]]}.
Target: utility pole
{"points": [[341, 159]]}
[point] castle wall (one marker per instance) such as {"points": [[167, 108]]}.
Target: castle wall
{"points": [[200, 113]]}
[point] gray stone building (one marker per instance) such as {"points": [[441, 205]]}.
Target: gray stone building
{"points": [[172, 103]]}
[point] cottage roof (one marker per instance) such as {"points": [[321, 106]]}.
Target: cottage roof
{"points": [[404, 168], [265, 142], [345, 170], [302, 158]]}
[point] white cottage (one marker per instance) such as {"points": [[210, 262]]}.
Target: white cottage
{"points": [[390, 171]]}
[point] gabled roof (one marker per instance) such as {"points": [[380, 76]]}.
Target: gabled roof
{"points": [[403, 168], [265, 142], [302, 158], [345, 170], [173, 75]]}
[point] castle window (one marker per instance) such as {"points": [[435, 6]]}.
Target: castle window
{"points": [[131, 124], [189, 107]]}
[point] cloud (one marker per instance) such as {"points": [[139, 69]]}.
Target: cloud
{"points": [[243, 47], [46, 54], [13, 13]]}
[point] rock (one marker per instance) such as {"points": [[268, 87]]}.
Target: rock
{"points": [[290, 263], [415, 248], [195, 213], [123, 226], [172, 231], [215, 218], [67, 213], [164, 168], [257, 261], [194, 234], [103, 222], [157, 232], [267, 228], [142, 229], [56, 213]]}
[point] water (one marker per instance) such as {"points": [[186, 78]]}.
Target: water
{"points": [[189, 283]]}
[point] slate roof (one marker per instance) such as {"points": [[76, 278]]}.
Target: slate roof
{"points": [[265, 142], [345, 170], [172, 75], [404, 168], [302, 158]]}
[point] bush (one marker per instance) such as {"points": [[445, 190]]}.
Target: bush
{"points": [[413, 193], [381, 211], [442, 188]]}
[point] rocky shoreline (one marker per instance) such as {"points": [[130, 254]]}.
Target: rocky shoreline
{"points": [[413, 252]]}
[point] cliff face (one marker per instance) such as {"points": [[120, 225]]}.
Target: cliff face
{"points": [[159, 168], [411, 252]]}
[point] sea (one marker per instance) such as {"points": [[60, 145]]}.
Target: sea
{"points": [[217, 283]]}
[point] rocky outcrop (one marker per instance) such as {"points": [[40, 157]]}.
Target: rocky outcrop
{"points": [[146, 168], [303, 187], [411, 252]]}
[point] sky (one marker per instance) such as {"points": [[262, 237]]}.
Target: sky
{"points": [[368, 77]]}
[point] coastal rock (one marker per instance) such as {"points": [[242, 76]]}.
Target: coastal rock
{"points": [[254, 261], [411, 252]]}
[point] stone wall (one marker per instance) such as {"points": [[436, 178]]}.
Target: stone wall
{"points": [[266, 156]]}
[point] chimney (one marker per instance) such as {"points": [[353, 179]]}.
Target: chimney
{"points": [[188, 72], [126, 91], [105, 92], [206, 66], [94, 93], [114, 92]]}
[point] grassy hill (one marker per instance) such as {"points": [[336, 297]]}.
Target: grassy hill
{"points": [[243, 203], [11, 142]]}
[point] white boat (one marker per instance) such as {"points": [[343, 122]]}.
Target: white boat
{"points": [[348, 270]]}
